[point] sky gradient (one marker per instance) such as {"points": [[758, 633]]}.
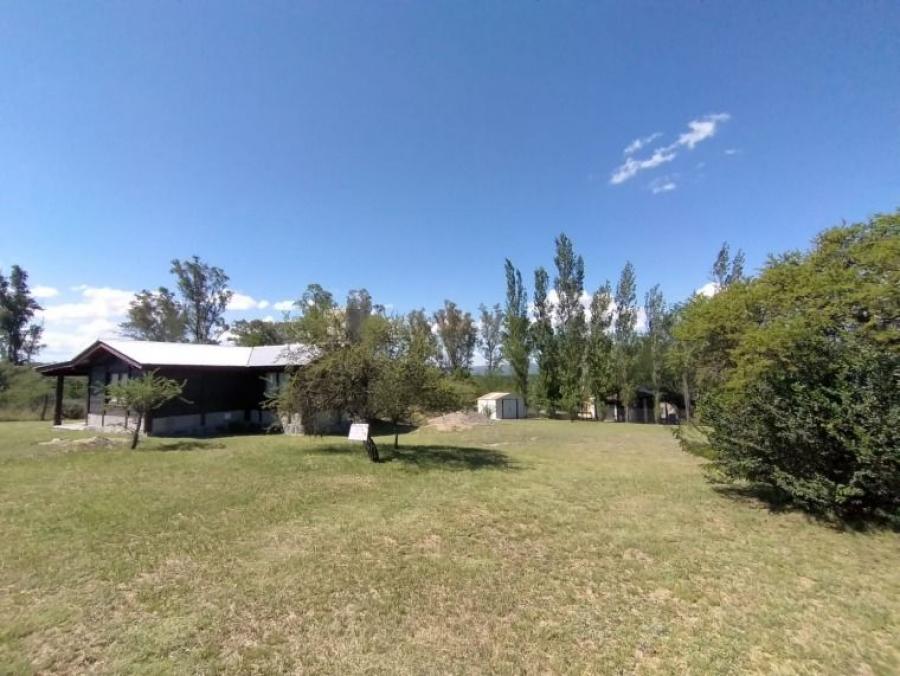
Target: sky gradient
{"points": [[409, 147]]}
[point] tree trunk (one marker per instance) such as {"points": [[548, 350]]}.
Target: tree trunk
{"points": [[396, 436], [372, 450], [686, 393], [44, 405], [137, 430]]}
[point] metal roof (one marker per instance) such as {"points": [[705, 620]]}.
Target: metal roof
{"points": [[140, 353], [497, 395]]}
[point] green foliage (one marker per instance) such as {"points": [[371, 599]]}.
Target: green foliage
{"points": [[24, 393], [458, 334], [490, 336], [516, 348], [571, 328], [545, 391], [802, 373], [20, 339], [599, 362], [256, 332], [156, 316], [205, 296], [143, 394], [657, 340], [625, 336]]}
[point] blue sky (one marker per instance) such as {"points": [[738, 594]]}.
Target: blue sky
{"points": [[409, 147]]}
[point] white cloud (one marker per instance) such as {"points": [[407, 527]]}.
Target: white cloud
{"points": [[732, 151], [44, 292], [268, 318], [631, 166], [702, 129], [639, 143], [284, 305], [709, 289], [241, 301], [698, 130], [663, 184], [96, 303]]}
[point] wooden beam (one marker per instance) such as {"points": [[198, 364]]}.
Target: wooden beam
{"points": [[57, 410]]}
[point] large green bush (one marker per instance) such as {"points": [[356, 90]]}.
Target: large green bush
{"points": [[802, 369]]}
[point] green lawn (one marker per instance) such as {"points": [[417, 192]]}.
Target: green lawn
{"points": [[527, 546]]}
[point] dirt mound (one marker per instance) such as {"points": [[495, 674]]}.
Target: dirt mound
{"points": [[82, 444], [461, 420]]}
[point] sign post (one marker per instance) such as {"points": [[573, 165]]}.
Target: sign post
{"points": [[361, 432]]}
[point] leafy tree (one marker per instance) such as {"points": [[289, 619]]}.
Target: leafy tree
{"points": [[257, 332], [458, 334], [143, 394], [515, 346], [625, 337], [366, 365], [156, 316], [599, 362], [802, 365], [546, 391], [490, 336], [571, 326], [657, 340], [205, 296], [19, 338]]}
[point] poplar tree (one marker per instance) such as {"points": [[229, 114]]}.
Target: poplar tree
{"points": [[599, 362], [489, 335], [515, 344], [570, 325], [545, 347], [657, 338], [458, 334], [624, 328]]}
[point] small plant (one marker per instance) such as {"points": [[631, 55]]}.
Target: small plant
{"points": [[142, 395]]}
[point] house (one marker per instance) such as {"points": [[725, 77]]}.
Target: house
{"points": [[223, 385], [641, 411], [502, 405]]}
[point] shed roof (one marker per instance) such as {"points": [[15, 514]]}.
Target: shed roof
{"points": [[497, 395], [141, 353]]}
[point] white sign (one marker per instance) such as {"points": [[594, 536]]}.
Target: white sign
{"points": [[359, 432]]}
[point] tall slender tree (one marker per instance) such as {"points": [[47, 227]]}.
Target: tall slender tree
{"points": [[514, 337], [571, 328], [205, 293], [19, 337], [546, 391], [600, 376], [625, 322], [657, 337], [490, 326]]}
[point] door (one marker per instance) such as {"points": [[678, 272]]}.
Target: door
{"points": [[508, 409]]}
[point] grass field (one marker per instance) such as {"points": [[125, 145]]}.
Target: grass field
{"points": [[528, 546]]}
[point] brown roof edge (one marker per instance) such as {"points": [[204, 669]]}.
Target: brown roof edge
{"points": [[71, 367]]}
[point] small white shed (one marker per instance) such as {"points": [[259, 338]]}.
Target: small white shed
{"points": [[502, 405]]}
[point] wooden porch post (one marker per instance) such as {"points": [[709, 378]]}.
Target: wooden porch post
{"points": [[57, 410]]}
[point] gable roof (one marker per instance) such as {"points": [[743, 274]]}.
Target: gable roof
{"points": [[143, 353]]}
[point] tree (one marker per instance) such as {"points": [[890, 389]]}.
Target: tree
{"points": [[205, 296], [366, 365], [515, 346], [802, 370], [626, 319], [490, 336], [726, 270], [571, 327], [657, 337], [143, 394], [545, 347], [256, 332], [156, 316], [19, 338], [599, 362], [458, 335]]}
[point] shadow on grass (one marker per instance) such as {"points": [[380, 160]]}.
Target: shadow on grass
{"points": [[431, 457], [188, 445], [776, 502]]}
